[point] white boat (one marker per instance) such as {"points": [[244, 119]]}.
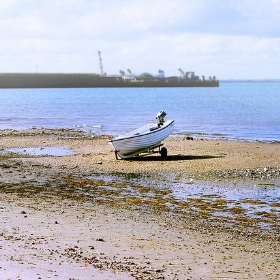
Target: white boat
{"points": [[144, 139]]}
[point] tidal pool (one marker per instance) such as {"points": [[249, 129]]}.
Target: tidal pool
{"points": [[42, 151], [255, 199], [254, 202]]}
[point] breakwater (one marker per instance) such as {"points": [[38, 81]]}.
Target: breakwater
{"points": [[87, 80]]}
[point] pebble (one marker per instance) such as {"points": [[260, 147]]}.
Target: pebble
{"points": [[125, 265], [262, 174], [100, 239]]}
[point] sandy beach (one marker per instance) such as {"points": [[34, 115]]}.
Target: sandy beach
{"points": [[80, 213]]}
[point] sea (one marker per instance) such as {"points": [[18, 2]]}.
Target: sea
{"points": [[245, 110]]}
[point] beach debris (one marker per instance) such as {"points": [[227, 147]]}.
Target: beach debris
{"points": [[190, 181], [100, 239], [123, 265], [187, 137], [262, 174]]}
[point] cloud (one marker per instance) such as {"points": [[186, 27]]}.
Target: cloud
{"points": [[129, 17], [208, 36]]}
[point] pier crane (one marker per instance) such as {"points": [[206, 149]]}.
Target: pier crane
{"points": [[183, 75], [100, 63], [188, 75], [193, 76]]}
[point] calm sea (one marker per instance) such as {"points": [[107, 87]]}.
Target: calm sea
{"points": [[235, 110]]}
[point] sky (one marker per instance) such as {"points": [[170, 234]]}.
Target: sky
{"points": [[228, 39]]}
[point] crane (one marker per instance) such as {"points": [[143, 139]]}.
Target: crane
{"points": [[100, 63], [183, 75]]}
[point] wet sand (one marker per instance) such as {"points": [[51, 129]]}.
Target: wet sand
{"points": [[89, 216]]}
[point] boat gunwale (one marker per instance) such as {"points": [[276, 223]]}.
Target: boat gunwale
{"points": [[141, 135]]}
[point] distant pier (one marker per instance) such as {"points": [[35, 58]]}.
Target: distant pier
{"points": [[84, 80]]}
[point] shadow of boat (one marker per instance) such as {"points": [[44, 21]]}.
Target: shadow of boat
{"points": [[173, 158]]}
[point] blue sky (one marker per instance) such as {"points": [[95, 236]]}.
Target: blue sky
{"points": [[229, 39]]}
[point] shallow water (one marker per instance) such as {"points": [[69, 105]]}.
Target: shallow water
{"points": [[251, 197], [42, 151], [235, 110], [259, 203], [229, 191]]}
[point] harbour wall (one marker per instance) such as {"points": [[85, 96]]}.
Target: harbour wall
{"points": [[69, 80]]}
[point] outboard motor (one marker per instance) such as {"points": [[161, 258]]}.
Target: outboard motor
{"points": [[160, 117]]}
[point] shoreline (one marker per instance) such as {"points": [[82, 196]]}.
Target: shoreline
{"points": [[88, 213], [92, 132]]}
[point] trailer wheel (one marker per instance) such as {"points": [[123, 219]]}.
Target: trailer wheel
{"points": [[163, 153]]}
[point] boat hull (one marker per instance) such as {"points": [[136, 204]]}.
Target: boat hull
{"points": [[142, 139]]}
